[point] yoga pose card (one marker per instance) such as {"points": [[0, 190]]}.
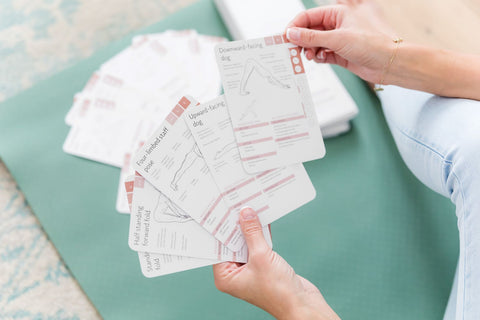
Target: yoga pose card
{"points": [[269, 102], [158, 225], [157, 264], [172, 162], [269, 192]]}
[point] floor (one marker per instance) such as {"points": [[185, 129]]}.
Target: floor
{"points": [[41, 37]]}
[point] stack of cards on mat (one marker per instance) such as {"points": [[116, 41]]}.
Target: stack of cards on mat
{"points": [[125, 100], [189, 166]]}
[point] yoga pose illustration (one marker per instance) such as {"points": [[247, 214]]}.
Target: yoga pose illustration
{"points": [[166, 211], [249, 111], [226, 149], [190, 157], [252, 65]]}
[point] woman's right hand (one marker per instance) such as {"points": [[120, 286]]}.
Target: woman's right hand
{"points": [[351, 34], [268, 281]]}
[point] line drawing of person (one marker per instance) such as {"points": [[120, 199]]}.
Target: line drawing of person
{"points": [[249, 110], [227, 148], [252, 65], [190, 157], [167, 212]]}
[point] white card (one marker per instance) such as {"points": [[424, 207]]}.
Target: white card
{"points": [[109, 120], [246, 19], [173, 163], [111, 94], [128, 186], [123, 204], [75, 109], [106, 138], [143, 65], [272, 193], [154, 265], [157, 264], [195, 56], [270, 104], [135, 86], [158, 225], [101, 87]]}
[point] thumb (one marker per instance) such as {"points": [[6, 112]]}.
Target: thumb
{"points": [[252, 231], [309, 38]]}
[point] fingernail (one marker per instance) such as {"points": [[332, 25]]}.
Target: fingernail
{"points": [[321, 55], [247, 213], [293, 34]]}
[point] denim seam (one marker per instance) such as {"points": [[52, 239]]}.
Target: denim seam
{"points": [[425, 145], [464, 235], [448, 162]]}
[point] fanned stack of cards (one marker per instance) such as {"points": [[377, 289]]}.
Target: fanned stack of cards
{"points": [[126, 99], [208, 159]]}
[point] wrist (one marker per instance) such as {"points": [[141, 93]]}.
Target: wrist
{"points": [[436, 71], [409, 68], [389, 54]]}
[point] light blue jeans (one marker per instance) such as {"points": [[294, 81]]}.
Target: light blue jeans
{"points": [[439, 140]]}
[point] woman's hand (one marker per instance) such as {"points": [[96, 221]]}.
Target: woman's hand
{"points": [[354, 35], [268, 281], [351, 34]]}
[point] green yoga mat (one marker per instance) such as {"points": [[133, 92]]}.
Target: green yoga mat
{"points": [[377, 243]]}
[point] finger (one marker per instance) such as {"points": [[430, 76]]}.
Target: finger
{"points": [[310, 53], [252, 231], [320, 55], [328, 56], [308, 38], [316, 51], [324, 17]]}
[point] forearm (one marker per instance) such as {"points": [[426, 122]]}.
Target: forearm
{"points": [[440, 72]]}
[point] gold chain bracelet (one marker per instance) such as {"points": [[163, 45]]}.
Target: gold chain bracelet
{"points": [[386, 68]]}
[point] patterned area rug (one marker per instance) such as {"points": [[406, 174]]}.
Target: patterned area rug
{"points": [[41, 37], [34, 282]]}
